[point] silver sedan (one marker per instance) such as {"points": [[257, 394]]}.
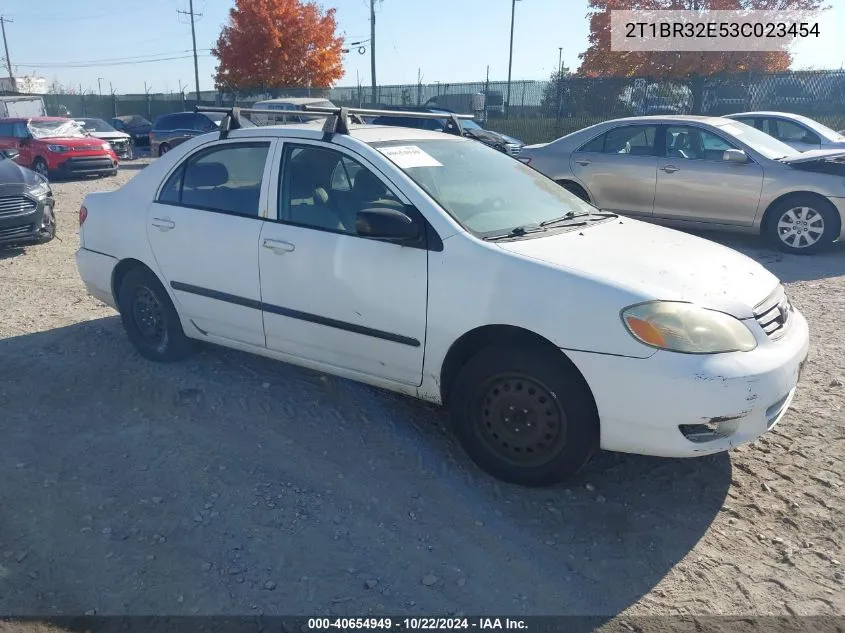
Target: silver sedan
{"points": [[702, 172]]}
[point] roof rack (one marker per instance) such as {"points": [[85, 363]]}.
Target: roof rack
{"points": [[337, 121]]}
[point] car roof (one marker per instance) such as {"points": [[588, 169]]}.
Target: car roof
{"points": [[669, 118], [787, 115]]}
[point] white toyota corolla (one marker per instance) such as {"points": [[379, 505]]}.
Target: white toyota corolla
{"points": [[435, 266]]}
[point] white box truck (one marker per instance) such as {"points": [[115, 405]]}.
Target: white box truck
{"points": [[21, 106]]}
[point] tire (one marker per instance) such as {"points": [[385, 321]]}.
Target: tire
{"points": [[149, 318], [576, 190], [39, 166], [801, 224], [163, 149], [551, 405]]}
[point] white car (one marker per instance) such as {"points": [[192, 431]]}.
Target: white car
{"points": [[437, 267], [799, 132]]}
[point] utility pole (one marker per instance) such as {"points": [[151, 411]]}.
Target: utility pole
{"points": [[190, 12], [3, 21], [510, 55], [100, 87], [560, 61], [372, 50]]}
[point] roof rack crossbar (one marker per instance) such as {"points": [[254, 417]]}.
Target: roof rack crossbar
{"points": [[337, 121], [337, 114]]}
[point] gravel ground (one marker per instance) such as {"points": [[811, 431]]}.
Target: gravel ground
{"points": [[232, 484]]}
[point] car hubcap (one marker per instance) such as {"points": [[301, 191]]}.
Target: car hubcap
{"points": [[148, 316], [801, 227], [521, 421]]}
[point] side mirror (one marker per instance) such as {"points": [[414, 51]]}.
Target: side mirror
{"points": [[736, 156], [24, 141], [387, 223]]}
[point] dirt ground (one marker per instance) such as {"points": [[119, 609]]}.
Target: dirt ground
{"points": [[231, 485]]}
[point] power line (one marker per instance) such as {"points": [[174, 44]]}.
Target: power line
{"points": [[126, 63], [193, 15], [111, 59]]}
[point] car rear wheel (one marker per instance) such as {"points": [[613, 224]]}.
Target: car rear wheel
{"points": [[149, 318], [39, 166], [524, 416], [802, 224], [163, 149]]}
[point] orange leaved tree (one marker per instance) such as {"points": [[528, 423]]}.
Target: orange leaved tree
{"points": [[272, 44], [690, 68]]}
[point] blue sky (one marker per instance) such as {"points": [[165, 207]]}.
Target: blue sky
{"points": [[445, 40]]}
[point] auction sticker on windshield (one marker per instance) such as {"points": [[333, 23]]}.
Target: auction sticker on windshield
{"points": [[409, 156]]}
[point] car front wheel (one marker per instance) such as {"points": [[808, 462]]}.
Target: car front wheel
{"points": [[802, 225], [149, 318], [524, 415]]}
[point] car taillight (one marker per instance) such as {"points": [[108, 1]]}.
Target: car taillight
{"points": [[83, 214], [524, 159]]}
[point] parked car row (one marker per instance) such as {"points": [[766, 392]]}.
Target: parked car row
{"points": [[428, 260]]}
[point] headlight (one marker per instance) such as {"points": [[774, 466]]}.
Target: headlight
{"points": [[58, 149], [687, 328], [40, 189], [106, 146]]}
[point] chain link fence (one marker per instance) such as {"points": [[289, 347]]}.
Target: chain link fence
{"points": [[534, 111]]}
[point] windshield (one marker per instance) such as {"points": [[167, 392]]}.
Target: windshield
{"points": [[758, 140], [96, 125], [486, 191], [55, 129]]}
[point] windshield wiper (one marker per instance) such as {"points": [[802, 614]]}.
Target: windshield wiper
{"points": [[580, 218], [517, 231]]}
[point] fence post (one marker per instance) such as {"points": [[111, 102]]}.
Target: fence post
{"points": [[82, 103]]}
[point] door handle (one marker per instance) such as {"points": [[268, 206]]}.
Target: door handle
{"points": [[583, 162], [277, 246], [163, 224], [670, 169]]}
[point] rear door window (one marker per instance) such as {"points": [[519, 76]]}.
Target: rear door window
{"points": [[225, 178]]}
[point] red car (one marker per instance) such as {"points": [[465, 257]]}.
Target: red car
{"points": [[53, 146]]}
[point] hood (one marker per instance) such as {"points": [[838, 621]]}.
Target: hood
{"points": [[16, 179], [656, 263], [84, 143], [111, 136], [833, 155]]}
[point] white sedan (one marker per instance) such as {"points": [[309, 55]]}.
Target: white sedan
{"points": [[432, 265], [799, 132]]}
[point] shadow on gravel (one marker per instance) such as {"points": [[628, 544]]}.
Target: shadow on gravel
{"points": [[788, 268], [231, 484], [132, 166], [7, 252]]}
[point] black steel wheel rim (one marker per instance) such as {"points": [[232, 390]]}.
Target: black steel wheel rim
{"points": [[148, 316], [521, 421]]}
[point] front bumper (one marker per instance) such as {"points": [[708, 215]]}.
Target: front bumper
{"points": [[25, 224], [85, 166], [644, 404], [95, 270]]}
